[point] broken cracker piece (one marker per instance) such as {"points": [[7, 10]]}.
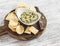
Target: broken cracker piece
{"points": [[32, 8], [33, 30], [27, 30]]}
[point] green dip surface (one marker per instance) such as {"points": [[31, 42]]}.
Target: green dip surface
{"points": [[28, 17]]}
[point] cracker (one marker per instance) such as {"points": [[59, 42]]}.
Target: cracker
{"points": [[26, 6], [22, 6], [13, 23], [11, 16], [32, 8], [33, 30], [27, 30], [13, 29], [20, 29]]}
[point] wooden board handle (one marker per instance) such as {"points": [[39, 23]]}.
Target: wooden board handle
{"points": [[2, 30]]}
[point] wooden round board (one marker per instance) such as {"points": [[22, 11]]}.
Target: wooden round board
{"points": [[40, 25]]}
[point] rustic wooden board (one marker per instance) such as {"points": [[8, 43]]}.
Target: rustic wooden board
{"points": [[40, 25]]}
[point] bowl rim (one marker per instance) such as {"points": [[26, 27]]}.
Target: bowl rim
{"points": [[31, 23]]}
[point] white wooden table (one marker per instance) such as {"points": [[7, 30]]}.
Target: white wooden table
{"points": [[51, 9]]}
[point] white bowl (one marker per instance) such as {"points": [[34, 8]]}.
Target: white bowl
{"points": [[19, 11]]}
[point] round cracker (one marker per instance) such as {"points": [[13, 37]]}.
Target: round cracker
{"points": [[20, 29]]}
